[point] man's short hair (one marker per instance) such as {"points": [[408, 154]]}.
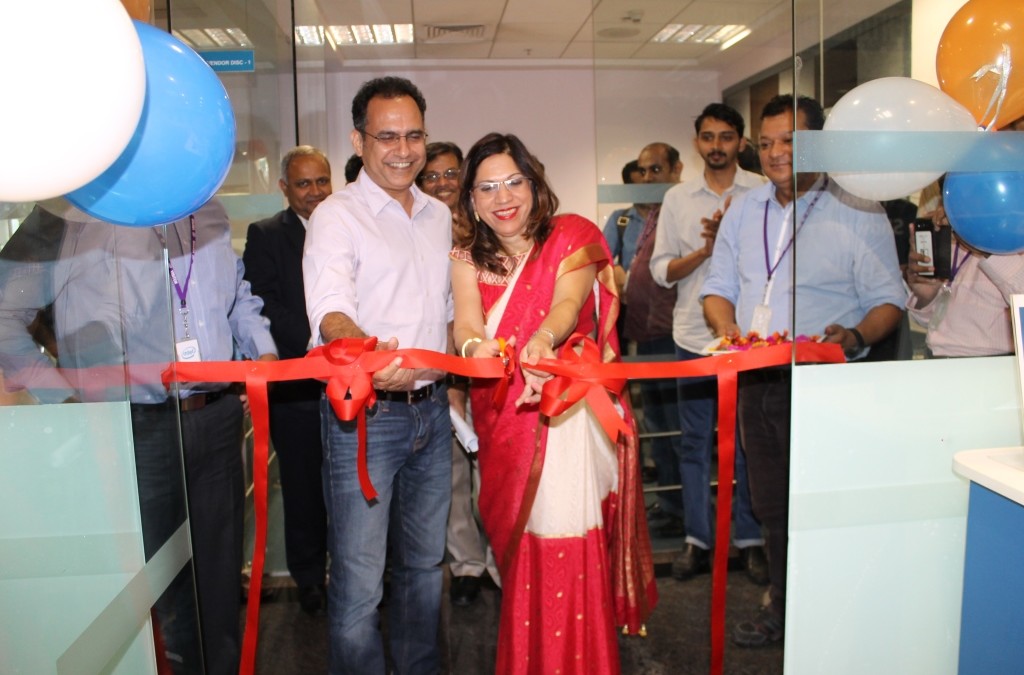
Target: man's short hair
{"points": [[813, 113], [352, 167], [383, 87], [435, 150], [301, 151], [722, 113], [628, 170]]}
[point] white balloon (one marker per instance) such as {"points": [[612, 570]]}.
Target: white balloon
{"points": [[74, 84], [894, 104]]}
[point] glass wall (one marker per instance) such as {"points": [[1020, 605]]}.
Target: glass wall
{"points": [[97, 572]]}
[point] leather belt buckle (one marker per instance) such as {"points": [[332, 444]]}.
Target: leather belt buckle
{"points": [[410, 397]]}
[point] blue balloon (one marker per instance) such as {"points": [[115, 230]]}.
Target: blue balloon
{"points": [[182, 148], [986, 210]]}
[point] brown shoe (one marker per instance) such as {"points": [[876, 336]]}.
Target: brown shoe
{"points": [[755, 564], [693, 560]]}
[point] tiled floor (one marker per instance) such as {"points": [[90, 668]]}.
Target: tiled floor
{"points": [[678, 641]]}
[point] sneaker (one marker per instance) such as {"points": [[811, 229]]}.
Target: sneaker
{"points": [[766, 628]]}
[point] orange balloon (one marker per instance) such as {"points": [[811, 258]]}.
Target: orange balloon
{"points": [[971, 59], [138, 9]]}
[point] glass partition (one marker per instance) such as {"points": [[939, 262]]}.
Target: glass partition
{"points": [[97, 572]]}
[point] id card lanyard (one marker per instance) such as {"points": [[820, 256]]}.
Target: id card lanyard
{"points": [[188, 347], [763, 312], [946, 292]]}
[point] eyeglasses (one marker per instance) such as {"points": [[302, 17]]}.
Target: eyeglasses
{"points": [[433, 176], [490, 188], [390, 138]]}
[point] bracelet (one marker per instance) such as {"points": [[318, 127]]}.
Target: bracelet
{"points": [[859, 338], [545, 330], [466, 344]]}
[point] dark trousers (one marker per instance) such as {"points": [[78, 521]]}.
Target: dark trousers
{"points": [[212, 440], [764, 402], [295, 432]]}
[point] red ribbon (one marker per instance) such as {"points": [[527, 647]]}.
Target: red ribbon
{"points": [[348, 366], [582, 374]]}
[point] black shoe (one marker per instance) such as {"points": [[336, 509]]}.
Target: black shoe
{"points": [[766, 628], [693, 560], [464, 590], [670, 529], [755, 564], [313, 599]]}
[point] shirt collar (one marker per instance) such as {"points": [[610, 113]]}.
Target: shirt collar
{"points": [[377, 199]]}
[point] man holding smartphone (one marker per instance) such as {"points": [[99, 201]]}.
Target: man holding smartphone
{"points": [[964, 304]]}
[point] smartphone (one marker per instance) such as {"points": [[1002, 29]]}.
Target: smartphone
{"points": [[935, 243]]}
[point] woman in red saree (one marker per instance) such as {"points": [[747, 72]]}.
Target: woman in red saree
{"points": [[560, 500]]}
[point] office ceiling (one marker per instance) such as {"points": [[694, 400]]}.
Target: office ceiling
{"points": [[483, 32]]}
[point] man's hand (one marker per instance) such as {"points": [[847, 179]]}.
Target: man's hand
{"points": [[392, 377]]}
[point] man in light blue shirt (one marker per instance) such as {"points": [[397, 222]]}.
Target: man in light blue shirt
{"points": [[847, 290], [119, 321], [683, 244]]}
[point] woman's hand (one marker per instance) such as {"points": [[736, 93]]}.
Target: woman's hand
{"points": [[537, 347]]}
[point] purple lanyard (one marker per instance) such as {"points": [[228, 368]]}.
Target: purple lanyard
{"points": [[182, 291], [768, 266], [957, 262]]}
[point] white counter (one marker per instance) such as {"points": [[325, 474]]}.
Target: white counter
{"points": [[998, 469]]}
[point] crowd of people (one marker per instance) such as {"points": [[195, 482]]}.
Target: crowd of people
{"points": [[431, 249]]}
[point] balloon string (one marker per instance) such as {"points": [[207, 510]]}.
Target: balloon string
{"points": [[1002, 67]]}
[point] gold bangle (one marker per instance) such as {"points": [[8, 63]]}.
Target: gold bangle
{"points": [[466, 344], [549, 332]]}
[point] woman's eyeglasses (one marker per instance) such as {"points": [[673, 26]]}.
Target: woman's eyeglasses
{"points": [[490, 188]]}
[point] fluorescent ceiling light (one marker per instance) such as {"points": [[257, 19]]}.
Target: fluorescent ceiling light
{"points": [[309, 36], [403, 33], [363, 34], [696, 33], [384, 33], [341, 35], [221, 37], [734, 39], [367, 34], [198, 38], [240, 37]]}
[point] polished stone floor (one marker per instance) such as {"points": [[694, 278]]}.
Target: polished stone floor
{"points": [[678, 641]]}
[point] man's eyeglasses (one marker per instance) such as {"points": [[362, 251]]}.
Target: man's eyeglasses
{"points": [[489, 188], [389, 138], [433, 176]]}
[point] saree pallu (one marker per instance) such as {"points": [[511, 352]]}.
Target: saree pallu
{"points": [[561, 502]]}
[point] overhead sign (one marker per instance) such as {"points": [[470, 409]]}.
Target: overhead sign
{"points": [[230, 61]]}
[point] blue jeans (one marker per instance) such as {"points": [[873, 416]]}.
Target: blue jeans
{"points": [[409, 453], [660, 406], [698, 404]]}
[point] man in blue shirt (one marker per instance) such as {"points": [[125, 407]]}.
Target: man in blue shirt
{"points": [[844, 286], [109, 289]]}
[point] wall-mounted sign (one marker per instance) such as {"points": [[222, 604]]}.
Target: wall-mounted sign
{"points": [[230, 60]]}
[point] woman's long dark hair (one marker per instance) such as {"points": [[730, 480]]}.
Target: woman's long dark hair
{"points": [[485, 246]]}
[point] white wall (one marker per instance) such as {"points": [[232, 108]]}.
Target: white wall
{"points": [[930, 19], [552, 110]]}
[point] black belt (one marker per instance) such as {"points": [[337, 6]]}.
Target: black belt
{"points": [[200, 400], [414, 396]]}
